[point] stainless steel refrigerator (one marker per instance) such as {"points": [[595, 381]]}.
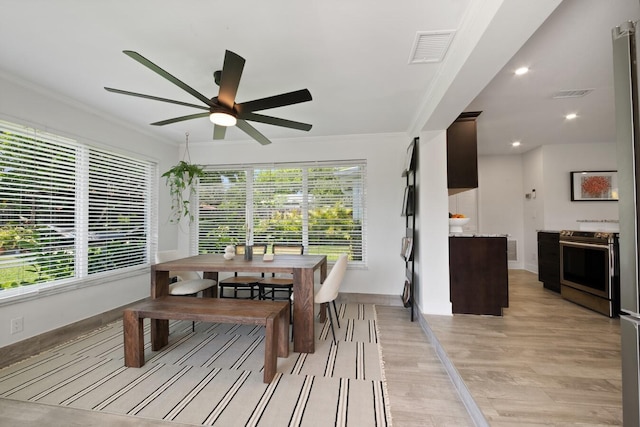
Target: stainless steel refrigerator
{"points": [[627, 100]]}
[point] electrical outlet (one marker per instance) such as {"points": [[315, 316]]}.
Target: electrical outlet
{"points": [[17, 325]]}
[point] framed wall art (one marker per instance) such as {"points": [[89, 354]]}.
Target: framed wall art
{"points": [[594, 186]]}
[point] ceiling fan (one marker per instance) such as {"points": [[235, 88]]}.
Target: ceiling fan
{"points": [[222, 110]]}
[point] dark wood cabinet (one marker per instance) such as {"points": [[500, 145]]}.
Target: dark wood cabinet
{"points": [[462, 154], [479, 282], [549, 260]]}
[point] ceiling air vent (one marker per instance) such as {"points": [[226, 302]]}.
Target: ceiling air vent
{"points": [[430, 46], [578, 93]]}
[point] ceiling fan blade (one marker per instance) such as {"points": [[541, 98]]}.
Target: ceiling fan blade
{"points": [[281, 100], [153, 67], [181, 119], [230, 79], [274, 121], [155, 98], [252, 132], [219, 131]]}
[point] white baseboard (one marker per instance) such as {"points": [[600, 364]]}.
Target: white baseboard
{"points": [[465, 395], [377, 299]]}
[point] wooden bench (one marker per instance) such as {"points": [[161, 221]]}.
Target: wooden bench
{"points": [[274, 315]]}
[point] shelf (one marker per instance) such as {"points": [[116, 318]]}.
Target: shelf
{"points": [[409, 208]]}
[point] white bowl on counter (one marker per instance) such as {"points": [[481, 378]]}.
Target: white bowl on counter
{"points": [[455, 224]]}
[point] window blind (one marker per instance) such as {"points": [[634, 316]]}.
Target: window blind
{"points": [[37, 211], [222, 211], [118, 211], [336, 211], [277, 206]]}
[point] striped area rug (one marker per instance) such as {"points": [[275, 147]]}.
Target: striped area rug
{"points": [[213, 376]]}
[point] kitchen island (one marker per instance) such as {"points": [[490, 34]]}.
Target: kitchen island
{"points": [[478, 276]]}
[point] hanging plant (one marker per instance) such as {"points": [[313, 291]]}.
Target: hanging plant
{"points": [[182, 180]]}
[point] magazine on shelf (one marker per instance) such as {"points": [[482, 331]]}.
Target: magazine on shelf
{"points": [[407, 247]]}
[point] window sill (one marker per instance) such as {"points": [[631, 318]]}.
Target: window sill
{"points": [[32, 292]]}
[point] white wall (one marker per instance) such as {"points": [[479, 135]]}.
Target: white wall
{"points": [[466, 203], [532, 178], [559, 160], [501, 200], [504, 181], [385, 155], [433, 218], [35, 107]]}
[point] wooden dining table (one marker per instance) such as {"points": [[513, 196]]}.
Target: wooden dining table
{"points": [[302, 267]]}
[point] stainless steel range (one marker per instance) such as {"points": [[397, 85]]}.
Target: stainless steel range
{"points": [[589, 270]]}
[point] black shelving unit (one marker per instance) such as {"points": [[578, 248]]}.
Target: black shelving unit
{"points": [[409, 206]]}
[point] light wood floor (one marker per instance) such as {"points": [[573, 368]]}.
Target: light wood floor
{"points": [[546, 362], [421, 393]]}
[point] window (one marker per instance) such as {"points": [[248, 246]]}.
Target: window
{"points": [[118, 211], [68, 210], [320, 205]]}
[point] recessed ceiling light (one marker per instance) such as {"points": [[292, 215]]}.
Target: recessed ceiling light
{"points": [[571, 116], [515, 144], [522, 70]]}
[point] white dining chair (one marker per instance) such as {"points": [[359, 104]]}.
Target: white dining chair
{"points": [[188, 283], [329, 290]]}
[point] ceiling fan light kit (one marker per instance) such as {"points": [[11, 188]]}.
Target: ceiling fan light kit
{"points": [[222, 110], [222, 118]]}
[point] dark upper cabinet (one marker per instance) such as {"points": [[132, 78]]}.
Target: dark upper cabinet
{"points": [[462, 153]]}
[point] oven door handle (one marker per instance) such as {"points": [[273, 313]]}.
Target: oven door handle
{"points": [[583, 245]]}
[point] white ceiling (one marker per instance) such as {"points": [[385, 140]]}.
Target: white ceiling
{"points": [[571, 50], [352, 55]]}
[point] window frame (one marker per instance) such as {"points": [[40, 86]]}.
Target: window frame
{"points": [[249, 169], [147, 190]]}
